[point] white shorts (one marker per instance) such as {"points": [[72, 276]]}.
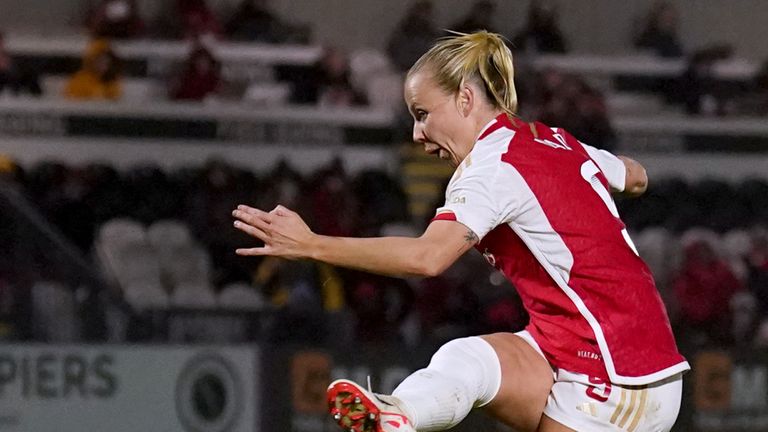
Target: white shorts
{"points": [[588, 404]]}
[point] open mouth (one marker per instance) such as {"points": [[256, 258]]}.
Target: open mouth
{"points": [[438, 151]]}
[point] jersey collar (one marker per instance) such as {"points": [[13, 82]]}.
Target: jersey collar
{"points": [[502, 120]]}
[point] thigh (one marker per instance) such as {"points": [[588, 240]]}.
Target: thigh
{"points": [[526, 380], [590, 404]]}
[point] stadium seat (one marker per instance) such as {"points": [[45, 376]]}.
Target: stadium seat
{"points": [[136, 263], [143, 296], [367, 63], [194, 295], [653, 245], [169, 234], [625, 103], [702, 234], [191, 264], [134, 89], [54, 313], [124, 253], [736, 246], [241, 296], [385, 91], [267, 94], [122, 231]]}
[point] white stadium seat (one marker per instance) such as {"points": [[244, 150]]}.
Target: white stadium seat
{"points": [[143, 296], [240, 296], [196, 295], [169, 234]]}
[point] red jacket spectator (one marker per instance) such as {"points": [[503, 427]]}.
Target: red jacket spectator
{"points": [[197, 19], [200, 77], [704, 287]]}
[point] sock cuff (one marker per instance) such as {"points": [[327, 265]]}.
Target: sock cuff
{"points": [[475, 359], [486, 356]]}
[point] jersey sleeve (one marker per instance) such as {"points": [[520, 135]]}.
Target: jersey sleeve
{"points": [[474, 200], [611, 166]]}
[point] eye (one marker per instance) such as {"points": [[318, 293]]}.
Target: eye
{"points": [[421, 115]]}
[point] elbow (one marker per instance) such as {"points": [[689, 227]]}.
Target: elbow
{"points": [[639, 185], [636, 182], [428, 264], [428, 270]]}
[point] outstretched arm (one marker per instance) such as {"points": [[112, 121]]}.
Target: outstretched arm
{"points": [[286, 235]]}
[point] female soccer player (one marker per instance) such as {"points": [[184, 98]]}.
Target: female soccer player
{"points": [[598, 353]]}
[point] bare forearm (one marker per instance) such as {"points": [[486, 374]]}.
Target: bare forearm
{"points": [[286, 235], [391, 256]]}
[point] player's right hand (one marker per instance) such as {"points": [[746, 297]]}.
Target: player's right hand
{"points": [[283, 231]]}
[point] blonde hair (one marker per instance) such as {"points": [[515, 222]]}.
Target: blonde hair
{"points": [[482, 57]]}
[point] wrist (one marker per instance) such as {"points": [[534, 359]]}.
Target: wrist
{"points": [[315, 247]]}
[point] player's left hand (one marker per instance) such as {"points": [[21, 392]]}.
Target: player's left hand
{"points": [[284, 232]]}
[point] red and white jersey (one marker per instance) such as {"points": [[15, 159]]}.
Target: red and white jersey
{"points": [[539, 201]]}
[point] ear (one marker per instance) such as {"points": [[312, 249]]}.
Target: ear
{"points": [[466, 99]]}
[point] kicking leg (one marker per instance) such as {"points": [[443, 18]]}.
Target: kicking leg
{"points": [[501, 372], [526, 382]]}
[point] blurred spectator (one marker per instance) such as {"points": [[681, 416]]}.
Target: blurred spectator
{"points": [[755, 102], [479, 17], [118, 19], [332, 203], [566, 101], [413, 36], [593, 126], [10, 170], [541, 32], [757, 270], [700, 91], [703, 288], [15, 77], [199, 78], [446, 305], [380, 201], [380, 305], [294, 289], [211, 194], [99, 76], [253, 21], [744, 319], [659, 31], [328, 83], [197, 20]]}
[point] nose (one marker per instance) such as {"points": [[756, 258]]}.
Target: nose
{"points": [[418, 133]]}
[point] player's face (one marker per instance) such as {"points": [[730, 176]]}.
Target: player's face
{"points": [[438, 121]]}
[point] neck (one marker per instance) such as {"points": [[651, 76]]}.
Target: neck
{"points": [[485, 118]]}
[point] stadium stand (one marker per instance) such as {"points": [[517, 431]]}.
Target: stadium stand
{"points": [[114, 215]]}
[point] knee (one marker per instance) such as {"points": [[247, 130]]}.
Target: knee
{"points": [[474, 359]]}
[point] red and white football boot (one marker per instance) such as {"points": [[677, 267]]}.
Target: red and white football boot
{"points": [[356, 409]]}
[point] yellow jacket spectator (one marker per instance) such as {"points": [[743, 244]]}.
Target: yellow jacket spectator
{"points": [[99, 76]]}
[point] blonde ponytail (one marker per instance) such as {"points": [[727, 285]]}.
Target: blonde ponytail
{"points": [[480, 56]]}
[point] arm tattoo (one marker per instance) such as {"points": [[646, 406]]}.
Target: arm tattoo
{"points": [[471, 237]]}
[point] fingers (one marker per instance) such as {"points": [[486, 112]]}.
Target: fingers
{"points": [[267, 217], [252, 231], [258, 251], [255, 218], [258, 224]]}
